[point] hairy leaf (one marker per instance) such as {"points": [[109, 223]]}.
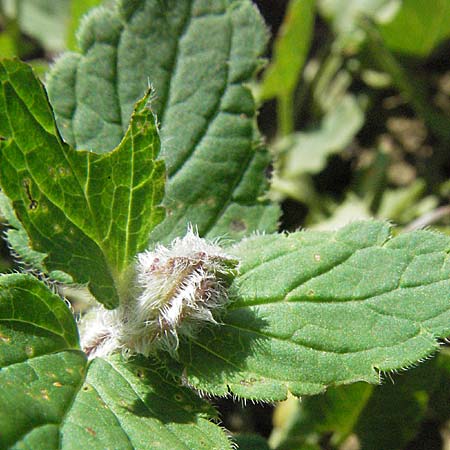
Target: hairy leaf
{"points": [[315, 309], [51, 398], [89, 213], [198, 55], [18, 242]]}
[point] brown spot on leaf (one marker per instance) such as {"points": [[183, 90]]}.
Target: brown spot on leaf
{"points": [[91, 431], [238, 225], [4, 338]]}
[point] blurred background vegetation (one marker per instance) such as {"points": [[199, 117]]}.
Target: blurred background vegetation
{"points": [[355, 109]]}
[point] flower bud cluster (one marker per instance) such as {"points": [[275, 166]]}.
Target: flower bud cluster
{"points": [[178, 289]]}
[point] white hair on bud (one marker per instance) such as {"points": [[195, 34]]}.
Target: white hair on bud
{"points": [[179, 288]]}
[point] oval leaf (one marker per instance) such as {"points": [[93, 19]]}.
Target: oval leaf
{"points": [[315, 309], [198, 55]]}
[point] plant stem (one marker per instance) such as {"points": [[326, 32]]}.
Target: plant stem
{"points": [[285, 113]]}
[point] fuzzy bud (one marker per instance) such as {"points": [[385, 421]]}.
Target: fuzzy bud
{"points": [[179, 288]]}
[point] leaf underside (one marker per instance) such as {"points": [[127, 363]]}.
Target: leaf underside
{"points": [[89, 213], [198, 56], [316, 309], [52, 399]]}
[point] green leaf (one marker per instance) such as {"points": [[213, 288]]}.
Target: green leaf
{"points": [[89, 213], [300, 154], [198, 55], [417, 29], [289, 54], [134, 405], [41, 368], [52, 399], [350, 209], [290, 50], [7, 45], [402, 205], [18, 242], [315, 309]]}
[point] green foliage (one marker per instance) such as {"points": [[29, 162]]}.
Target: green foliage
{"points": [[89, 213], [431, 26], [332, 308], [51, 398], [78, 8], [290, 51], [306, 153], [112, 167], [41, 366], [206, 115], [367, 52], [397, 407], [44, 20]]}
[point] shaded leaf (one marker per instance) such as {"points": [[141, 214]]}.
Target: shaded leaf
{"points": [[386, 416], [251, 442], [393, 414], [337, 411], [133, 405], [18, 242]]}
